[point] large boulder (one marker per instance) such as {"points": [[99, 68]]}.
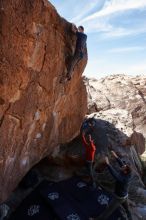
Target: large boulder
{"points": [[37, 112], [121, 100], [118, 102]]}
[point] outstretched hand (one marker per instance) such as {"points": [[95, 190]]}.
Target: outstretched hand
{"points": [[114, 154], [107, 160], [90, 139], [74, 28]]}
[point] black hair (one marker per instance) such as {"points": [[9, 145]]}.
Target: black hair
{"points": [[81, 27], [91, 121]]}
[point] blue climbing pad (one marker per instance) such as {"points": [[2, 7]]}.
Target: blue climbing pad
{"points": [[63, 204], [33, 207], [93, 201], [71, 199], [75, 196]]}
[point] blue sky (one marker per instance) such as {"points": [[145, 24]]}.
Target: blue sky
{"points": [[116, 32]]}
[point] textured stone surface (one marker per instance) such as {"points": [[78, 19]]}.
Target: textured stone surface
{"points": [[119, 103], [37, 113], [121, 100]]}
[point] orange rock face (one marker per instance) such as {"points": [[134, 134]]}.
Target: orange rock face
{"points": [[37, 113]]}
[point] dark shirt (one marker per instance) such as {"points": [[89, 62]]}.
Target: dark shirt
{"points": [[122, 180], [81, 41]]}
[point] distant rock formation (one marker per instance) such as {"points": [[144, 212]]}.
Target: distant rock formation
{"points": [[121, 100], [37, 113], [113, 101], [118, 102]]}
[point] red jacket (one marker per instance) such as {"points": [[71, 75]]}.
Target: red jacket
{"points": [[89, 148]]}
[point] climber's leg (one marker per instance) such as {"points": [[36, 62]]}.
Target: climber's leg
{"points": [[76, 58], [89, 166], [125, 205]]}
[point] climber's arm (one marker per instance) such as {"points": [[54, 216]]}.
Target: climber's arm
{"points": [[113, 172], [74, 28], [120, 162]]}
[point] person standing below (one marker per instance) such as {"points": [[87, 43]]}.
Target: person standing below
{"points": [[80, 49], [89, 145], [90, 153], [122, 178]]}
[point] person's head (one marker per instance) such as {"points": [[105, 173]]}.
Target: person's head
{"points": [[126, 169], [91, 122], [81, 29]]}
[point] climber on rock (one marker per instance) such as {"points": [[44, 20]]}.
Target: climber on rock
{"points": [[80, 49], [122, 178]]}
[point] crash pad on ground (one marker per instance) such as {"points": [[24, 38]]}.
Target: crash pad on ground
{"points": [[71, 199], [33, 207]]}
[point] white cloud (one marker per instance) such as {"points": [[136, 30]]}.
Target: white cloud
{"points": [[116, 6], [98, 26], [101, 21], [126, 49], [88, 7], [120, 32], [109, 31]]}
